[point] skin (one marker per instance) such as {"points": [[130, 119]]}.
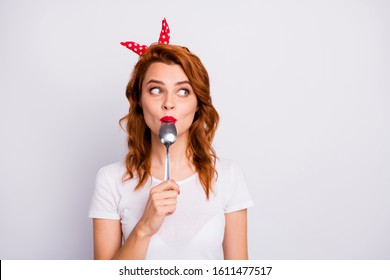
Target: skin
{"points": [[166, 91]]}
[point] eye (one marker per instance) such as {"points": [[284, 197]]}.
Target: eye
{"points": [[155, 90], [183, 92]]}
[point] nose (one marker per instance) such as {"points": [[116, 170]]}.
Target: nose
{"points": [[168, 103]]}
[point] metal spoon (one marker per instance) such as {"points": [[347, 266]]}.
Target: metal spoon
{"points": [[167, 135]]}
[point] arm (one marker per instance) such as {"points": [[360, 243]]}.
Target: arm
{"points": [[235, 246], [108, 233]]}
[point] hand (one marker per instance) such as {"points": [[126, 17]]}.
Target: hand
{"points": [[161, 203]]}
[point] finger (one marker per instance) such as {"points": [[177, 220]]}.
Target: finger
{"points": [[164, 210], [155, 196], [173, 186], [169, 209], [165, 202], [166, 185]]}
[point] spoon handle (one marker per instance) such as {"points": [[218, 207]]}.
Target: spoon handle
{"points": [[167, 175]]}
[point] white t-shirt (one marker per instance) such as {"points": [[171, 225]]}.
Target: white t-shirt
{"points": [[195, 230]]}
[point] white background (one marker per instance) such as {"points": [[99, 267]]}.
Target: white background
{"points": [[302, 88]]}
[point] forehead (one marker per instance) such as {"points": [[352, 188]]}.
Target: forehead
{"points": [[167, 73]]}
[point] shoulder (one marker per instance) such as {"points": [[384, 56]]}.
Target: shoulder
{"points": [[231, 187], [113, 170], [227, 168], [107, 195], [112, 174]]}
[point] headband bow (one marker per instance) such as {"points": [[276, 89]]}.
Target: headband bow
{"points": [[140, 50]]}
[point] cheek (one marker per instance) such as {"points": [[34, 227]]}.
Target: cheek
{"points": [[191, 106], [194, 108], [148, 116], [148, 113], [189, 117]]}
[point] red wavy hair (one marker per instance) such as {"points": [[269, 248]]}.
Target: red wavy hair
{"points": [[201, 133]]}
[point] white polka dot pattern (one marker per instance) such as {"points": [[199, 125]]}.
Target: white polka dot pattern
{"points": [[140, 50], [165, 33]]}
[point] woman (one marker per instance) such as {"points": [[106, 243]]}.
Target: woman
{"points": [[201, 213]]}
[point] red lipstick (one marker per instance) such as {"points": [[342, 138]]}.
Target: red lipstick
{"points": [[168, 119]]}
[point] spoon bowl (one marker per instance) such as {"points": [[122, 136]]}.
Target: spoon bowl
{"points": [[167, 135]]}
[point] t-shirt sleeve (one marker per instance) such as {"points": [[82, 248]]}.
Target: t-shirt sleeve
{"points": [[104, 203], [236, 196]]}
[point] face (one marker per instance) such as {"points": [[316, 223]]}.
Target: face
{"points": [[166, 91]]}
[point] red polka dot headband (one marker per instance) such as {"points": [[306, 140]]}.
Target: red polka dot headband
{"points": [[140, 50]]}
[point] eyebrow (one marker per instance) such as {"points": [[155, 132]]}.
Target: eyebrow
{"points": [[162, 83]]}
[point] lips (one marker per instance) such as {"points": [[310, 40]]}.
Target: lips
{"points": [[168, 119]]}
